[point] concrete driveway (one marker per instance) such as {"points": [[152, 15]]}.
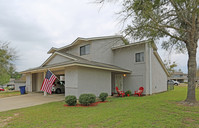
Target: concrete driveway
{"points": [[27, 100]]}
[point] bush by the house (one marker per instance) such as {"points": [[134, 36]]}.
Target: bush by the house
{"points": [[128, 92], [103, 96], [71, 100], [87, 99]]}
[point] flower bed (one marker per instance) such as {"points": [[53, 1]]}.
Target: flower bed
{"points": [[91, 105]]}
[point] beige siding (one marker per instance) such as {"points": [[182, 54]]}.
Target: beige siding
{"points": [[94, 81], [29, 82], [57, 59], [37, 80], [100, 50], [71, 81], [125, 58], [79, 80], [159, 79], [17, 85], [75, 50]]}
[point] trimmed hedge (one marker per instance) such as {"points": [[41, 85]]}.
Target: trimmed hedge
{"points": [[71, 100], [128, 92], [87, 99], [103, 96]]}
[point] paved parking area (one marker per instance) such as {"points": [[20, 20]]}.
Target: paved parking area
{"points": [[27, 100]]}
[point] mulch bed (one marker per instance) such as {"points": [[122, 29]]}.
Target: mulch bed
{"points": [[91, 105]]}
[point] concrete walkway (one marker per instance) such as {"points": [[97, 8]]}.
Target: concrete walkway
{"points": [[27, 100]]}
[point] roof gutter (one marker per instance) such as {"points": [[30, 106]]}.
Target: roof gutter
{"points": [[83, 39], [162, 64], [74, 64]]}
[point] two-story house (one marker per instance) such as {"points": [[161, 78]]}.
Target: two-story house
{"points": [[99, 64], [179, 76]]}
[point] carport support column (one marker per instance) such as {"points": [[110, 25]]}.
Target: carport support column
{"points": [[45, 93]]}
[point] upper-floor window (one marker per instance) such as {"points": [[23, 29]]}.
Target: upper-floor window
{"points": [[139, 57], [84, 50]]}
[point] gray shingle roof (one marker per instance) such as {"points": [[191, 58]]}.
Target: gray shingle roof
{"points": [[80, 62]]}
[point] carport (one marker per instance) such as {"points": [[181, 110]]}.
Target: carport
{"points": [[34, 80]]}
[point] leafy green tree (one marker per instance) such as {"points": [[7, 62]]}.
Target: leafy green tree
{"points": [[4, 76], [16, 75], [12, 72], [176, 20], [170, 66], [7, 57]]}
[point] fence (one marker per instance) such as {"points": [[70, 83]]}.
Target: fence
{"points": [[170, 87]]}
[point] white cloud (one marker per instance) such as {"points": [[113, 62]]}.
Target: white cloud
{"points": [[33, 27]]}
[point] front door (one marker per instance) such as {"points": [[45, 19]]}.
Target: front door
{"points": [[119, 81]]}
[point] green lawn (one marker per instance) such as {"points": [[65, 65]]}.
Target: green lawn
{"points": [[10, 93], [159, 110]]}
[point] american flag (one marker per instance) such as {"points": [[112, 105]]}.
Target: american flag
{"points": [[48, 82]]}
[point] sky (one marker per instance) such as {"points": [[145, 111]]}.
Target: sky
{"points": [[34, 26]]}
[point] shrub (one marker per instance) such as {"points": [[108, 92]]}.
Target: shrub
{"points": [[103, 96], [71, 100], [128, 92], [87, 99]]}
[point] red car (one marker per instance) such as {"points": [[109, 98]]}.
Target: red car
{"points": [[1, 89]]}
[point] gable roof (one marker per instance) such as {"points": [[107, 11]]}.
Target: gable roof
{"points": [[76, 61], [57, 53], [53, 49], [161, 62], [136, 43]]}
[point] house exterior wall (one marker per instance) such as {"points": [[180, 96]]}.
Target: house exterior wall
{"points": [[159, 79], [57, 59], [29, 82], [17, 85], [71, 81], [125, 58], [100, 50], [37, 80], [75, 50], [79, 80], [93, 81]]}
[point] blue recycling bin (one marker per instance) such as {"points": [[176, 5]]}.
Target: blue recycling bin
{"points": [[22, 89]]}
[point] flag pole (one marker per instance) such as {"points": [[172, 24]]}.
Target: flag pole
{"points": [[45, 93], [55, 75], [50, 78]]}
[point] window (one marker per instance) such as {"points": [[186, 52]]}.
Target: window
{"points": [[139, 57], [84, 50]]}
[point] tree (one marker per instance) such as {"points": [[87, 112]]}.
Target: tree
{"points": [[7, 57], [177, 20], [170, 66]]}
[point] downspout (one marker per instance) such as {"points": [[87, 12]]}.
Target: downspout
{"points": [[150, 70]]}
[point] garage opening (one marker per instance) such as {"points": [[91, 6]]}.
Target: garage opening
{"points": [[59, 85]]}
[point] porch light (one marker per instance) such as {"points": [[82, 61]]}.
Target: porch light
{"points": [[124, 75]]}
